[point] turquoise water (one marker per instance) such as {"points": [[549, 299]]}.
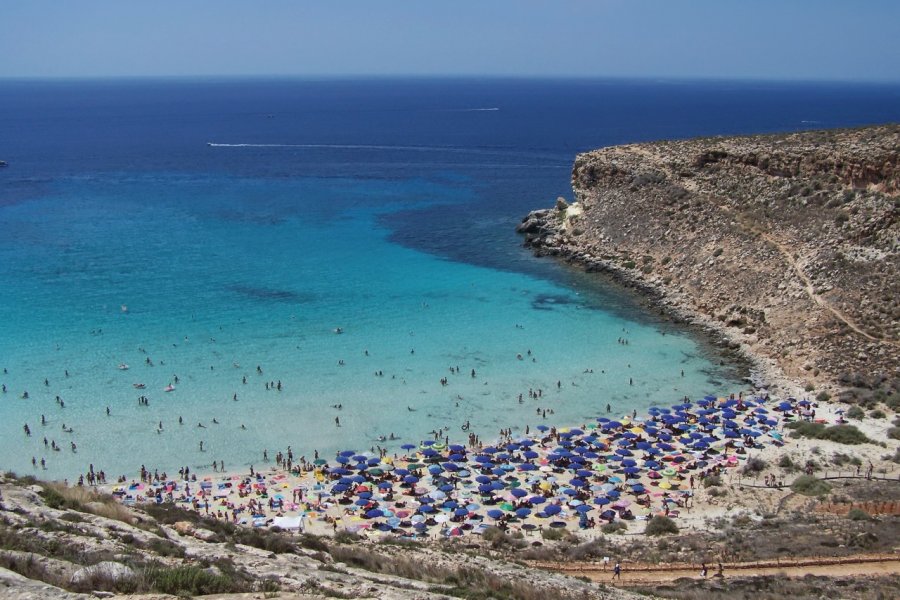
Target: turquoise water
{"points": [[220, 276], [386, 208]]}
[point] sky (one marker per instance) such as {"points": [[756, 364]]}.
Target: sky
{"points": [[854, 40]]}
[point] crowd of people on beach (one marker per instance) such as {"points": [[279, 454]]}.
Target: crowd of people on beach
{"points": [[607, 470]]}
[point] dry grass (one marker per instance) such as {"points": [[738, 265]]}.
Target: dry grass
{"points": [[87, 500]]}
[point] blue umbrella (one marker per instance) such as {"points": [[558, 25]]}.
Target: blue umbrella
{"points": [[523, 512], [582, 508], [374, 513], [602, 501], [347, 453], [518, 492], [537, 499], [495, 513], [460, 512], [408, 446], [553, 509]]}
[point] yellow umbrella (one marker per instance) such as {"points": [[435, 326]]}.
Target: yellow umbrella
{"points": [[665, 485]]}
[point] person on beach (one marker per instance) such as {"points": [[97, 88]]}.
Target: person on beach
{"points": [[617, 571]]}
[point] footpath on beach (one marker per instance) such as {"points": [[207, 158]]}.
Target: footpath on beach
{"points": [[573, 478]]}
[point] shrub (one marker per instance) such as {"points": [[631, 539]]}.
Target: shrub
{"points": [[894, 433], [823, 396], [858, 514], [712, 481], [554, 535], [755, 466], [660, 526], [786, 463], [841, 434], [191, 580], [808, 485], [855, 412], [878, 414], [614, 528]]}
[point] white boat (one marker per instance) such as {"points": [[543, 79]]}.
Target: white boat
{"points": [[123, 367]]}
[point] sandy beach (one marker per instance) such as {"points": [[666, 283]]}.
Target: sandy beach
{"points": [[621, 470]]}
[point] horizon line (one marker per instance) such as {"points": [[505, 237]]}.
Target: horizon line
{"points": [[458, 76]]}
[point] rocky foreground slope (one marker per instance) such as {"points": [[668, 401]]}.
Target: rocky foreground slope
{"points": [[785, 243], [70, 543]]}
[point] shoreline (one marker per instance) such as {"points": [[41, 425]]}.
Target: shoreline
{"points": [[691, 506]]}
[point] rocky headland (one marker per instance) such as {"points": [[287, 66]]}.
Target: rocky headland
{"points": [[783, 245]]}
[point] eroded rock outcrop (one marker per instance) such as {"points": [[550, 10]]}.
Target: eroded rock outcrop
{"points": [[786, 243]]}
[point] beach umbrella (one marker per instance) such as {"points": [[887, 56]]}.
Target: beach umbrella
{"points": [[507, 506], [523, 512], [553, 509], [519, 492], [537, 500], [495, 514], [460, 512], [582, 508], [374, 513], [408, 446], [601, 501]]}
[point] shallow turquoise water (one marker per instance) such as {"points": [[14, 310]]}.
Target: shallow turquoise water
{"points": [[222, 275]]}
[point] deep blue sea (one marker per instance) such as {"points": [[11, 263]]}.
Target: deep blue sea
{"points": [[196, 230]]}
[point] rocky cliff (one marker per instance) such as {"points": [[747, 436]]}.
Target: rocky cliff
{"points": [[787, 244]]}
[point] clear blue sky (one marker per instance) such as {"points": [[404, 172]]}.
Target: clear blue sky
{"points": [[770, 39]]}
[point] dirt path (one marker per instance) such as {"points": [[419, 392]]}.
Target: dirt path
{"points": [[642, 574]]}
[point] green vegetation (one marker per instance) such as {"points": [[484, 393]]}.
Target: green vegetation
{"points": [[808, 485], [755, 466], [858, 514], [842, 434], [855, 412], [660, 526], [613, 528]]}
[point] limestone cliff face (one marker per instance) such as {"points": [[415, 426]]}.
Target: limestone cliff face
{"points": [[789, 242]]}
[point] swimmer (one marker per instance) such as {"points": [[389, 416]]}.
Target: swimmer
{"points": [[201, 425]]}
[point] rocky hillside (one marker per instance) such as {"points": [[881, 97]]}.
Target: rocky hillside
{"points": [[786, 243], [70, 543]]}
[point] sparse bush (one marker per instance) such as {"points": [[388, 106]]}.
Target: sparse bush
{"points": [[712, 481], [755, 466], [554, 535], [660, 526], [894, 433], [786, 463], [841, 434], [808, 485], [858, 514], [878, 414], [855, 412], [614, 528]]}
